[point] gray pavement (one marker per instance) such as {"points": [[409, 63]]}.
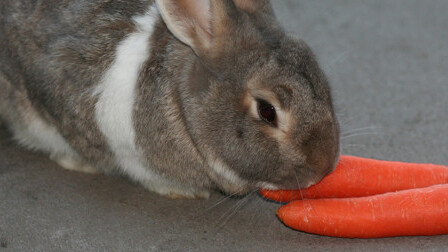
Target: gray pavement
{"points": [[387, 61]]}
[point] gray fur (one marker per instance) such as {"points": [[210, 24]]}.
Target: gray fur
{"points": [[54, 53]]}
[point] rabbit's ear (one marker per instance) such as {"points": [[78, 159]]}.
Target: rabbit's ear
{"points": [[254, 6], [196, 23]]}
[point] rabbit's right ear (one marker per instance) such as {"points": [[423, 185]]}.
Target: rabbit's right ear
{"points": [[197, 23]]}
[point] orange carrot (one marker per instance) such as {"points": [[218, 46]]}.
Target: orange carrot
{"points": [[355, 177], [421, 211]]}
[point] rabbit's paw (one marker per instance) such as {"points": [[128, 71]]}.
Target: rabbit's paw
{"points": [[74, 164]]}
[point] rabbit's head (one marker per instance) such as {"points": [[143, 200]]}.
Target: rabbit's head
{"points": [[256, 103]]}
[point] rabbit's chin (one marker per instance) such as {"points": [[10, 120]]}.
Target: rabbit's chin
{"points": [[267, 186], [242, 190]]}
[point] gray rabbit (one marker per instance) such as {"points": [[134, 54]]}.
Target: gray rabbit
{"points": [[182, 96]]}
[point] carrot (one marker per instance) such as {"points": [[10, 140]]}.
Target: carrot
{"points": [[421, 211], [355, 177]]}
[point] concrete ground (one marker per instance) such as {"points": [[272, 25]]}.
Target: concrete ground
{"points": [[387, 62]]}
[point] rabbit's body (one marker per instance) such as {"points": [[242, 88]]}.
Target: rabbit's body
{"points": [[105, 86]]}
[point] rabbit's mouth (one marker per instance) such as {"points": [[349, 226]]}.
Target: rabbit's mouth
{"points": [[296, 179], [293, 184]]}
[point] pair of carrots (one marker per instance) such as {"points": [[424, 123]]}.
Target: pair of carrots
{"points": [[366, 198]]}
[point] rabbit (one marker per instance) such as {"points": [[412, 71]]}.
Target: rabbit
{"points": [[185, 97]]}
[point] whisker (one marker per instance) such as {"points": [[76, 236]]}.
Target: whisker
{"points": [[224, 219], [359, 129], [231, 209], [353, 145], [339, 58], [258, 207], [220, 201], [298, 186], [358, 134]]}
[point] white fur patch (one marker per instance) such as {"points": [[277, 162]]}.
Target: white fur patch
{"points": [[117, 92], [74, 164], [267, 185], [39, 135], [228, 174]]}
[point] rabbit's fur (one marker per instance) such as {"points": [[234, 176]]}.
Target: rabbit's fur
{"points": [[167, 92]]}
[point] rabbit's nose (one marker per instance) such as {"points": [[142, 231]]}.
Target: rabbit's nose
{"points": [[322, 149]]}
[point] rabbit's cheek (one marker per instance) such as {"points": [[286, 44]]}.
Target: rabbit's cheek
{"points": [[229, 180]]}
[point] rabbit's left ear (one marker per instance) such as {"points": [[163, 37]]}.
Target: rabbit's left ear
{"points": [[254, 6], [198, 23]]}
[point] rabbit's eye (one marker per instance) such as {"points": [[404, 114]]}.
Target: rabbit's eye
{"points": [[267, 112]]}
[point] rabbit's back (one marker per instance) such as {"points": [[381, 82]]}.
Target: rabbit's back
{"points": [[73, 41], [73, 73], [53, 60]]}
